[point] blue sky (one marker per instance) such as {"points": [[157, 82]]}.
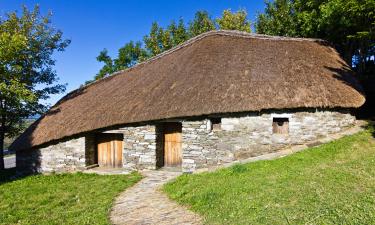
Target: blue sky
{"points": [[94, 25]]}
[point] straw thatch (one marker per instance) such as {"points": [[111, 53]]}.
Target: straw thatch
{"points": [[216, 72]]}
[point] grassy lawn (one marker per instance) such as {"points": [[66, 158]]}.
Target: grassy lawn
{"points": [[330, 184], [60, 199]]}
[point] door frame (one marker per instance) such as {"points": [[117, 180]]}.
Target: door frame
{"points": [[112, 138], [161, 151]]}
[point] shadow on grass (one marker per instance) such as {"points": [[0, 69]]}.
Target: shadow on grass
{"points": [[9, 175], [370, 127]]}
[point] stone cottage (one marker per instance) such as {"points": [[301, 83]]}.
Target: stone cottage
{"points": [[219, 97]]}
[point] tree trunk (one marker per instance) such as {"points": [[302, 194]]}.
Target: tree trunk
{"points": [[2, 136]]}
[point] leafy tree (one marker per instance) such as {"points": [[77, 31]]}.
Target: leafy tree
{"points": [[128, 55], [179, 33], [278, 19], [234, 21], [158, 40], [108, 67], [27, 43], [201, 23]]}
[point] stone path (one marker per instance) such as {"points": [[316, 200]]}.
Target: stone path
{"points": [[145, 204]]}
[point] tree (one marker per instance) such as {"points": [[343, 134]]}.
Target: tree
{"points": [[27, 43], [179, 33], [128, 55], [157, 40], [108, 67], [234, 21], [201, 23], [278, 19]]}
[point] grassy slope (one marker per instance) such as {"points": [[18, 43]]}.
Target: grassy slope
{"points": [[61, 199], [330, 184]]}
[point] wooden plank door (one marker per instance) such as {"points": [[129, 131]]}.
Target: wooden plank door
{"points": [[172, 144], [109, 148]]}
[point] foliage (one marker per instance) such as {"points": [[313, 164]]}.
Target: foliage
{"points": [[234, 21], [348, 24], [61, 199], [178, 32], [201, 23], [27, 43], [329, 184], [128, 55], [158, 40], [108, 67], [161, 39]]}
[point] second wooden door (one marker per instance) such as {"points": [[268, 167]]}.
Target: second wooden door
{"points": [[172, 144], [109, 148]]}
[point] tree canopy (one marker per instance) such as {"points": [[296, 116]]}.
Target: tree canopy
{"points": [[128, 55], [234, 21], [201, 23], [27, 43]]}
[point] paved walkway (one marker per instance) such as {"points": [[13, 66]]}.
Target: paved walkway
{"points": [[145, 204]]}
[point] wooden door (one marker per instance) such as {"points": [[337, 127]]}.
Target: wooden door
{"points": [[109, 148], [172, 144]]}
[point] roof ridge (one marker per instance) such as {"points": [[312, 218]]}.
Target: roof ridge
{"points": [[233, 33]]}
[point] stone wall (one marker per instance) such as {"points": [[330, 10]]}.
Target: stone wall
{"points": [[248, 135], [239, 136], [139, 147], [65, 156]]}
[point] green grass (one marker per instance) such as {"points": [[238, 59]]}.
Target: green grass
{"points": [[330, 184], [60, 199]]}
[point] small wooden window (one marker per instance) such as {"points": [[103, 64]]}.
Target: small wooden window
{"points": [[215, 123], [280, 125]]}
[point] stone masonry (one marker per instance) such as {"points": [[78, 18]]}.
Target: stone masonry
{"points": [[139, 147], [239, 136], [64, 156], [251, 135]]}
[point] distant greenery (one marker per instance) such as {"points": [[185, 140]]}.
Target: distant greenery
{"points": [[329, 184], [60, 199], [9, 140], [161, 39]]}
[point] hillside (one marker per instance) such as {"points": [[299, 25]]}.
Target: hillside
{"points": [[329, 184]]}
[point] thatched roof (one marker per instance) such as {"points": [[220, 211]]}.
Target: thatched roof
{"points": [[216, 72]]}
